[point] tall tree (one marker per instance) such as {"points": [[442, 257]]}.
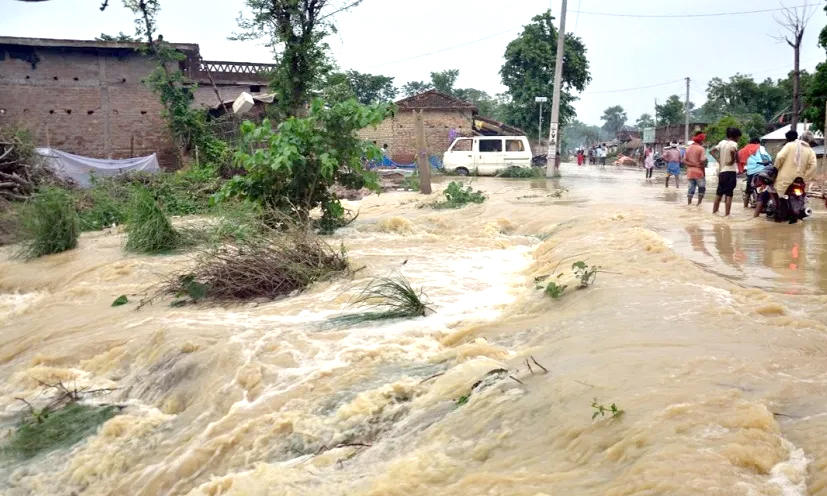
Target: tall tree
{"points": [[644, 121], [794, 21], [412, 88], [444, 81], [614, 119], [672, 112], [295, 31], [528, 71], [369, 88], [815, 96]]}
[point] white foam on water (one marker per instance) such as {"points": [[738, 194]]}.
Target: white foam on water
{"points": [[14, 304], [791, 475]]}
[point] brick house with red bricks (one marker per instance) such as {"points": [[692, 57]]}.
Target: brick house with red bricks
{"points": [[444, 116], [87, 98]]}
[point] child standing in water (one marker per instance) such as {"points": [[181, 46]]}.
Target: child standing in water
{"points": [[649, 162]]}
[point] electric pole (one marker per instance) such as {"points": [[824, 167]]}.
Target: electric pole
{"points": [[554, 126], [686, 111], [541, 100]]}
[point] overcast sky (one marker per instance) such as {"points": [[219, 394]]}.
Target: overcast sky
{"points": [[379, 35]]}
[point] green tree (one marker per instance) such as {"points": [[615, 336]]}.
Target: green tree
{"points": [[292, 168], [671, 112], [295, 31], [412, 88], [716, 132], [815, 92], [121, 38], [644, 121], [444, 81], [528, 71], [614, 119], [370, 88]]}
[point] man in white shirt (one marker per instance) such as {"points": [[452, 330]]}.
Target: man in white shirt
{"points": [[726, 153]]}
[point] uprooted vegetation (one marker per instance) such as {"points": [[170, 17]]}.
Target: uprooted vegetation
{"points": [[583, 273], [48, 224], [386, 298], [457, 196], [275, 258], [21, 170], [62, 422], [521, 172], [148, 230]]}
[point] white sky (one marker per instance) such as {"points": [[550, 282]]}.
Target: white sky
{"points": [[376, 36]]}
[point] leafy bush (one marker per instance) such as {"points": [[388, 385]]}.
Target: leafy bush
{"points": [[457, 197], [291, 169], [555, 290], [56, 429], [521, 172], [49, 223], [267, 262], [387, 298], [584, 273], [411, 183], [99, 208], [148, 229]]}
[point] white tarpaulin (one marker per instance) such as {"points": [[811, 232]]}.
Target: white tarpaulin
{"points": [[80, 168]]}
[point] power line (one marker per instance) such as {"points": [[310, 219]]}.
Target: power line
{"points": [[674, 16], [632, 89]]}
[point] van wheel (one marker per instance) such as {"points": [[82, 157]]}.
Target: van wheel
{"points": [[462, 171]]}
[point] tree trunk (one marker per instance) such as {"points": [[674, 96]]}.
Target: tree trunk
{"points": [[796, 87]]}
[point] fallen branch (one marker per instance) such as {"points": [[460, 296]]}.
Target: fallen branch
{"points": [[431, 377], [343, 445], [7, 152], [537, 364]]}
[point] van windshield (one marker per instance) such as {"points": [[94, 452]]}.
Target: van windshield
{"points": [[463, 145], [491, 145]]}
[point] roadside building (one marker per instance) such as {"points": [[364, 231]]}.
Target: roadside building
{"points": [[87, 97]]}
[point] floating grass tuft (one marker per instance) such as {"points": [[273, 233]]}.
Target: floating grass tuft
{"points": [[49, 223], [148, 230], [386, 298]]}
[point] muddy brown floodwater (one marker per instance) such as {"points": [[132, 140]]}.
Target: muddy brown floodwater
{"points": [[708, 332]]}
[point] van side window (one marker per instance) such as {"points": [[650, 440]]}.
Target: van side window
{"points": [[514, 146], [491, 145], [463, 145]]}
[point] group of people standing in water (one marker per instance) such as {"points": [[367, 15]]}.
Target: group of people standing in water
{"points": [[796, 159]]}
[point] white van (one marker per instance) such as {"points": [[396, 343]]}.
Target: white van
{"points": [[487, 155]]}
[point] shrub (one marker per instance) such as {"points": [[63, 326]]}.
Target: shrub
{"points": [[267, 262], [555, 290], [387, 298], [148, 229], [411, 183], [49, 223], [457, 197], [292, 168], [521, 172], [60, 428], [584, 273], [99, 209]]}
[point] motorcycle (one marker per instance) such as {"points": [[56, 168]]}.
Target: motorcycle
{"points": [[792, 206], [660, 163]]}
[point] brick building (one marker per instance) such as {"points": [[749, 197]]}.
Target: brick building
{"points": [[444, 116], [87, 98]]}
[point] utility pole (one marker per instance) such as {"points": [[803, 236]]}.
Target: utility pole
{"points": [[541, 100], [554, 127], [422, 155], [656, 113], [686, 111]]}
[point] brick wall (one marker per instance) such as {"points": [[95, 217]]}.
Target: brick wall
{"points": [[399, 132], [89, 102]]}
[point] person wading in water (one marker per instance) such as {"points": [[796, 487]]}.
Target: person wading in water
{"points": [[695, 160]]}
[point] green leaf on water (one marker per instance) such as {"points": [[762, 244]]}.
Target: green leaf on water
{"points": [[122, 300], [463, 399]]}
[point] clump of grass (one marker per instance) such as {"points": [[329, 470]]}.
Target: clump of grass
{"points": [[457, 196], [387, 298], [271, 260], [45, 431], [49, 223], [602, 410], [411, 183], [148, 230], [99, 209], [521, 172]]}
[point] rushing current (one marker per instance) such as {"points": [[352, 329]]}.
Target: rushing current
{"points": [[708, 332]]}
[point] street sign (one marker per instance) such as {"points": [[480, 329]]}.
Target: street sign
{"points": [[649, 135], [540, 99], [552, 142]]}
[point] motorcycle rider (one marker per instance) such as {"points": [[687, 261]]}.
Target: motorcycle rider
{"points": [[756, 158], [796, 159]]}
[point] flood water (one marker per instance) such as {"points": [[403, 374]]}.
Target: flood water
{"points": [[708, 332]]}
